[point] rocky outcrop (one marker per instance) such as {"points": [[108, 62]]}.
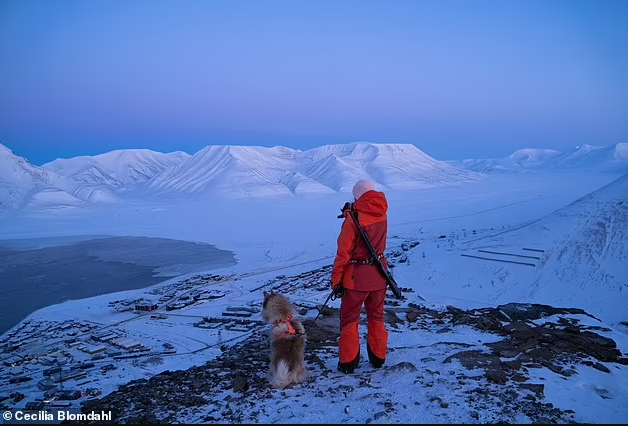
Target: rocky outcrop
{"points": [[496, 385]]}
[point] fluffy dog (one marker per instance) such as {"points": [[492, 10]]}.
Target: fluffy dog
{"points": [[287, 342]]}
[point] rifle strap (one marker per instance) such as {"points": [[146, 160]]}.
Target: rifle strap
{"points": [[363, 237], [367, 261], [389, 279]]}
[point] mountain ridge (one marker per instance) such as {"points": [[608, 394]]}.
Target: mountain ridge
{"points": [[611, 158], [22, 183], [237, 172], [232, 171]]}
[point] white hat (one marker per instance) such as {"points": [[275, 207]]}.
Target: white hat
{"points": [[361, 187]]}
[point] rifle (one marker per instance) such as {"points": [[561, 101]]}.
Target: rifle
{"points": [[389, 278]]}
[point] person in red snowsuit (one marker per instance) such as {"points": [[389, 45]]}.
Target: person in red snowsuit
{"points": [[358, 280]]}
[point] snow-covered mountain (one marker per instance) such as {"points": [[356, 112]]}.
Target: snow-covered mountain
{"points": [[22, 183], [116, 169], [613, 158], [224, 171], [394, 166], [254, 171], [236, 171], [231, 171], [589, 252], [574, 256]]}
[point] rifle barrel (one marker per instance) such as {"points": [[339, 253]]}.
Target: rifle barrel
{"points": [[389, 278]]}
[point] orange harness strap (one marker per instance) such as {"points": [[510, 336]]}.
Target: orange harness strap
{"points": [[286, 321]]}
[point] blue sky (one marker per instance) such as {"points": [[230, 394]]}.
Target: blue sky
{"points": [[459, 79]]}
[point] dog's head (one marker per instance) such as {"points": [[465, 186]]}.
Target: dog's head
{"points": [[276, 307]]}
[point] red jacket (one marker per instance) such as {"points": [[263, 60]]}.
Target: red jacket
{"points": [[372, 209]]}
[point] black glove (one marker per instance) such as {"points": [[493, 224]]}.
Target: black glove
{"points": [[339, 291], [347, 206]]}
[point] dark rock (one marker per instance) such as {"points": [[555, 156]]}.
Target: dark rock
{"points": [[239, 384], [412, 315], [558, 344], [380, 415], [601, 367], [402, 366], [495, 375]]}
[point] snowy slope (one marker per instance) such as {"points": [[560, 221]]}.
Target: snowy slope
{"points": [[531, 157], [116, 169], [575, 256], [237, 171], [232, 171], [613, 158], [23, 184], [393, 166], [244, 171], [334, 171], [298, 183], [516, 162], [589, 254], [253, 171]]}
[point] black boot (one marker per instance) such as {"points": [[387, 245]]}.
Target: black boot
{"points": [[349, 367], [376, 361]]}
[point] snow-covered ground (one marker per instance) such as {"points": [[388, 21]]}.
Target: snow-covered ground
{"points": [[534, 240]]}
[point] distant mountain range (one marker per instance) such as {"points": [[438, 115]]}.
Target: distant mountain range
{"points": [[613, 158], [252, 171], [221, 171], [22, 183], [116, 169]]}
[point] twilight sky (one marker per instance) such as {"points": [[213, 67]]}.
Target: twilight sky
{"points": [[459, 79]]}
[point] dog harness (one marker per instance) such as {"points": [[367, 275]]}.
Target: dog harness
{"points": [[367, 261], [288, 323]]}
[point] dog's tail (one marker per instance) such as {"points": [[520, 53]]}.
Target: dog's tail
{"points": [[284, 377]]}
